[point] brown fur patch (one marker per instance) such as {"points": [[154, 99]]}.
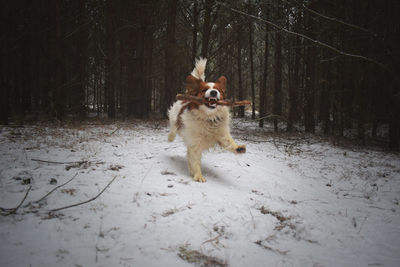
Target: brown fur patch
{"points": [[179, 123], [220, 85]]}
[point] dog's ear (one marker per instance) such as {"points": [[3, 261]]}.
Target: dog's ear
{"points": [[221, 84], [192, 85]]}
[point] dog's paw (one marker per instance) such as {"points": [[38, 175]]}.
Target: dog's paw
{"points": [[199, 178], [171, 136], [241, 149]]}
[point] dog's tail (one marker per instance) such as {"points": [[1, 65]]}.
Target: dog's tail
{"points": [[199, 68]]}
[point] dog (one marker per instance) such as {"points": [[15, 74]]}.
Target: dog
{"points": [[202, 126]]}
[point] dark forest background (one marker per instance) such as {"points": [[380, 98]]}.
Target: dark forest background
{"points": [[327, 66]]}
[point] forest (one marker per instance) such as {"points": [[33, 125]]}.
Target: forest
{"points": [[315, 66], [90, 174]]}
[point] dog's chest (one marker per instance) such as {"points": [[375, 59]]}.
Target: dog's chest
{"points": [[215, 122], [199, 123]]}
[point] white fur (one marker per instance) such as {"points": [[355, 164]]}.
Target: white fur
{"points": [[208, 92], [202, 129], [199, 69]]}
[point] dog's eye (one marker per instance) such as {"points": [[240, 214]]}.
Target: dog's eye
{"points": [[204, 90]]}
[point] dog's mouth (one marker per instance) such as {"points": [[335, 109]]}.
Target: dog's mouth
{"points": [[211, 102]]}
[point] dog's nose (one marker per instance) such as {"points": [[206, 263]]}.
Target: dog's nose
{"points": [[213, 93]]}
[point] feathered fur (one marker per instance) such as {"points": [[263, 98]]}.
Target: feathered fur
{"points": [[199, 69]]}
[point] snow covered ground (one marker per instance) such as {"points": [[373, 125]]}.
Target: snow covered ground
{"points": [[289, 201]]}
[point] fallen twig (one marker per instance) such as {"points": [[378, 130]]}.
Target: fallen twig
{"points": [[87, 201], [282, 252], [252, 219], [14, 210], [212, 239], [362, 224], [58, 162], [272, 116], [51, 191], [23, 200]]}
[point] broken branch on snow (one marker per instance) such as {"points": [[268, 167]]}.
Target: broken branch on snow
{"points": [[51, 191], [14, 210], [87, 201]]}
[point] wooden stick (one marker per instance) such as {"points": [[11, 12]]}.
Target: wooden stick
{"points": [[201, 100], [14, 210], [58, 162], [22, 202], [87, 201], [51, 191]]}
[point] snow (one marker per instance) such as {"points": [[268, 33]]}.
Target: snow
{"points": [[289, 201]]}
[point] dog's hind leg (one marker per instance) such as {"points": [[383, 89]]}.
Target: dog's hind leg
{"points": [[194, 158], [175, 119]]}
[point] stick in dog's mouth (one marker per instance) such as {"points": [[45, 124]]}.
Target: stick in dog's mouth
{"points": [[211, 102]]}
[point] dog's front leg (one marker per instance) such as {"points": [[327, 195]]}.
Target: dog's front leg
{"points": [[194, 157], [226, 141]]}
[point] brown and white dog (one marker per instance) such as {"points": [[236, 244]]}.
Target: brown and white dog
{"points": [[202, 126]]}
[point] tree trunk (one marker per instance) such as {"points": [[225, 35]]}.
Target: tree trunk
{"points": [[4, 77], [206, 28], [263, 93], [195, 31], [170, 52], [148, 65], [56, 74], [294, 87], [27, 60], [79, 94], [109, 66], [239, 65], [325, 100], [278, 79], [253, 93], [309, 89]]}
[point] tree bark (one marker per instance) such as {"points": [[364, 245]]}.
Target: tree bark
{"points": [[239, 65], [206, 28], [170, 52], [195, 31], [4, 77], [294, 85], [27, 60], [309, 89], [263, 93], [56, 73], [109, 62], [253, 93], [80, 89], [278, 79]]}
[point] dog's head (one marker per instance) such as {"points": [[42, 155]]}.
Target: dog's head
{"points": [[211, 91]]}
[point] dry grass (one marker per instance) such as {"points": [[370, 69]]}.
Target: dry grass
{"points": [[200, 259]]}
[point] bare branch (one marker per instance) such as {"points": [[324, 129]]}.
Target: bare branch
{"points": [[57, 162], [87, 201], [212, 239], [22, 201], [51, 191], [305, 37], [271, 116], [14, 210], [337, 20]]}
